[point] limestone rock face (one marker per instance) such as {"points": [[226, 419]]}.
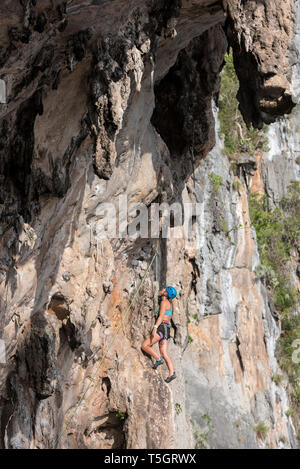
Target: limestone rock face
{"points": [[261, 35], [231, 316], [114, 102]]}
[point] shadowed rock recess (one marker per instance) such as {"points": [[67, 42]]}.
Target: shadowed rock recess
{"points": [[102, 98]]}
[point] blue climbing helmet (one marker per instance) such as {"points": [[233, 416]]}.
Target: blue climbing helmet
{"points": [[172, 293]]}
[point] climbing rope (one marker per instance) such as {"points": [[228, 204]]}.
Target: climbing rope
{"points": [[193, 157], [104, 355], [193, 166]]}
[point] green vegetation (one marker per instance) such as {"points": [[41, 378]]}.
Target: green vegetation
{"points": [[237, 137], [283, 439], [277, 229], [261, 430], [277, 233], [290, 412], [237, 185], [201, 438], [225, 228], [291, 331], [233, 168], [190, 339], [277, 379], [208, 419], [216, 181], [296, 395], [120, 415], [178, 408]]}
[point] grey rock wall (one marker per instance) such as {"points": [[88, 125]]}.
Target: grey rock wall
{"points": [[102, 100]]}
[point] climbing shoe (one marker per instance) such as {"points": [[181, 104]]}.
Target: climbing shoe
{"points": [[157, 363], [170, 378]]}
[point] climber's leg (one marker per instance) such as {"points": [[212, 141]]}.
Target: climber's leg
{"points": [[163, 347], [146, 347]]}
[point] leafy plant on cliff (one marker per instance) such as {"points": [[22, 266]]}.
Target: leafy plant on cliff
{"points": [[283, 439], [178, 408], [120, 415], [277, 233], [237, 185], [290, 412], [237, 137], [201, 438], [291, 332], [261, 430], [216, 181], [277, 378]]}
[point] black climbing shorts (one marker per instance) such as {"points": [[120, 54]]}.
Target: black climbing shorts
{"points": [[163, 331]]}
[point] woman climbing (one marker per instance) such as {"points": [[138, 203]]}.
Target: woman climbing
{"points": [[161, 332]]}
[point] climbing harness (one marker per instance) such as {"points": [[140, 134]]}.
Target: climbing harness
{"points": [[165, 332], [92, 381], [164, 328]]}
